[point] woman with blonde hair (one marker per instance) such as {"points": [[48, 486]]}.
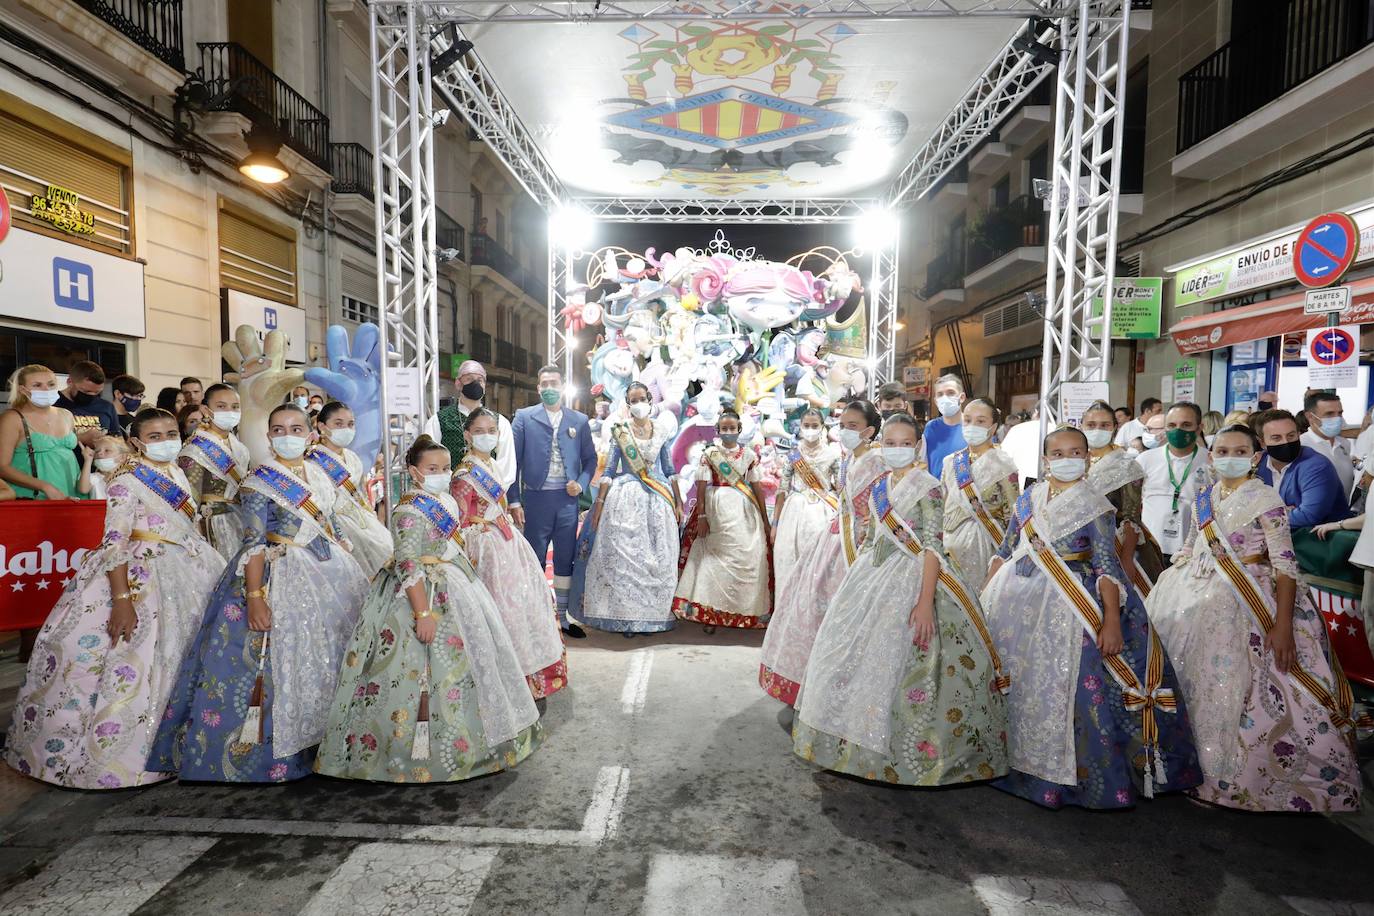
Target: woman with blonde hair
{"points": [[38, 438]]}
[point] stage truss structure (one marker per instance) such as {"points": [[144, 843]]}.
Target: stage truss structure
{"points": [[406, 35]]}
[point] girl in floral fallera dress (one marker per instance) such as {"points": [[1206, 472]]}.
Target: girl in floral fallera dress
{"points": [[980, 487], [370, 539], [803, 597], [806, 504], [1272, 724], [215, 463], [903, 685], [252, 696], [431, 688], [1113, 473], [104, 663], [725, 568], [505, 562], [1095, 711]]}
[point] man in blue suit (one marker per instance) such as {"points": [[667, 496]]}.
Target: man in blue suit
{"points": [[1306, 479], [554, 462]]}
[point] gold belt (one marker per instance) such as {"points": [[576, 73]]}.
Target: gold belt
{"points": [[1255, 557], [431, 560], [139, 534], [274, 538], [1080, 555]]}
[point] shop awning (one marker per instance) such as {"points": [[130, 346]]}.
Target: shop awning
{"points": [[1272, 318]]}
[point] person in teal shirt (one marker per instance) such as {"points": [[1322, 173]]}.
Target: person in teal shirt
{"points": [[37, 439]]}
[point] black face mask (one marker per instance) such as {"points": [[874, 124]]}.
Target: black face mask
{"points": [[887, 413], [473, 391], [81, 399], [1266, 405], [1287, 452]]}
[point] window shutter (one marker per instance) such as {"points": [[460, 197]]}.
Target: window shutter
{"points": [[255, 260]]}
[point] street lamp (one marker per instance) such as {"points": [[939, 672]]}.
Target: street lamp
{"points": [[261, 164]]}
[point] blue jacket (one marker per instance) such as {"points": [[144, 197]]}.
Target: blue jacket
{"points": [[1311, 487], [534, 442]]}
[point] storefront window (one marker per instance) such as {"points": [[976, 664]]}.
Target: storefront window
{"points": [[20, 347]]}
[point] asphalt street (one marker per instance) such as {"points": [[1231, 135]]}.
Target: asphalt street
{"points": [[666, 787]]}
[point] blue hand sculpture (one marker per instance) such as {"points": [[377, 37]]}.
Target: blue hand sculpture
{"points": [[354, 377]]}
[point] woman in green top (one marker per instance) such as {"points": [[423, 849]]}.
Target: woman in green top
{"points": [[37, 440]]}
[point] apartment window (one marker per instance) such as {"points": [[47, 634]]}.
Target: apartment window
{"points": [[358, 311], [256, 256], [1038, 166], [38, 153], [1001, 193], [475, 299]]}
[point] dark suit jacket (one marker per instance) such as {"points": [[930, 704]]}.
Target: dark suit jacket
{"points": [[534, 444], [1311, 486]]}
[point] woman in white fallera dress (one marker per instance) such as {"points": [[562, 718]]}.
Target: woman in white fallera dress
{"points": [[215, 463], [105, 661], [504, 560], [806, 505], [358, 521], [980, 487], [635, 525]]}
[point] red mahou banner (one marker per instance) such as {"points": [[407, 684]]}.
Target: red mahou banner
{"points": [[42, 545]]}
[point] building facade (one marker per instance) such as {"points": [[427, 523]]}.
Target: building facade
{"points": [[138, 243]]}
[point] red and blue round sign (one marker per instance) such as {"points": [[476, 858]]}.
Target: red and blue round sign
{"points": [[6, 217], [1326, 248], [1332, 347]]}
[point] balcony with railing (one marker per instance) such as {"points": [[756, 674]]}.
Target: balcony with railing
{"points": [[449, 234], [351, 166], [153, 25], [487, 252], [1304, 60], [134, 44], [536, 362], [520, 360], [480, 346], [505, 355], [944, 278], [1004, 239], [239, 82]]}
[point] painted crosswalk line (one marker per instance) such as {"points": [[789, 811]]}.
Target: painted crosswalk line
{"points": [[692, 885], [601, 821], [636, 690], [1005, 895], [405, 879], [99, 878]]}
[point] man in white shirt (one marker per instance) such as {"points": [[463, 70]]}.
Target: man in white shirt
{"points": [[446, 426], [1131, 431], [1173, 474], [1324, 427]]}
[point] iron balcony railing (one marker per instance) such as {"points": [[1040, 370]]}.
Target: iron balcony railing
{"points": [[240, 82], [351, 166], [505, 355], [449, 234], [153, 25], [1262, 63], [536, 362], [481, 347], [521, 360], [1021, 223], [945, 271], [486, 252]]}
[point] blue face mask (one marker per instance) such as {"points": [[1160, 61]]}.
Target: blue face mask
{"points": [[1332, 426]]}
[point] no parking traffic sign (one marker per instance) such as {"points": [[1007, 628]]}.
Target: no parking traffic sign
{"points": [[1333, 356], [1325, 249]]}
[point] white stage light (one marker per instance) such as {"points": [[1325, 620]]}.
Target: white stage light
{"points": [[876, 229], [571, 228]]}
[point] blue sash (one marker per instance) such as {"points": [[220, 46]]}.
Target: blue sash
{"points": [[486, 481], [333, 468], [438, 516], [164, 487], [1025, 508], [219, 456]]}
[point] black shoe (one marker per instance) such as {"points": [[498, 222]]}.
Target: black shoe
{"points": [[575, 632]]}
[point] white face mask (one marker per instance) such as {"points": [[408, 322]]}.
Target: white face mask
{"points": [[288, 447], [1068, 469], [948, 404], [303, 403], [485, 442], [898, 457], [1332, 426], [44, 398], [811, 433], [1149, 440], [227, 420], [1098, 438], [435, 483], [976, 435], [342, 437], [105, 465], [165, 450], [850, 439], [1232, 467], [641, 409]]}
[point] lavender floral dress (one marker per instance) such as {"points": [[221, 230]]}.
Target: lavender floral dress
{"points": [[86, 713]]}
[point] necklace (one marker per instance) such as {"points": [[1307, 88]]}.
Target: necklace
{"points": [[1227, 490]]}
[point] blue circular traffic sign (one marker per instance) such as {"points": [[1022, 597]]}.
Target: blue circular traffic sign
{"points": [[1325, 249], [1332, 347]]}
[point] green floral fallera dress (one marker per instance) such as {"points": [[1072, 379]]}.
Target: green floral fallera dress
{"points": [[874, 704], [482, 718]]}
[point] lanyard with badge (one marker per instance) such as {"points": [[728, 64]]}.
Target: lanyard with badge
{"points": [[1171, 537]]}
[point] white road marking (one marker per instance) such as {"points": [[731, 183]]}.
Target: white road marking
{"points": [[379, 879], [600, 823], [1005, 895], [689, 885], [99, 878], [636, 690], [1309, 906]]}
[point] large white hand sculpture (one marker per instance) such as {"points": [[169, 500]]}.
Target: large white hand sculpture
{"points": [[263, 382]]}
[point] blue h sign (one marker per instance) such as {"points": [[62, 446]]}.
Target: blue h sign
{"points": [[73, 285], [269, 318]]}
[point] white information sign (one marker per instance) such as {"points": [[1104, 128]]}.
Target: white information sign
{"points": [[403, 390], [56, 282], [1320, 301], [266, 315], [1076, 397]]}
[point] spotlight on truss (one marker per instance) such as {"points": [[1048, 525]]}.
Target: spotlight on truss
{"points": [[1036, 301], [571, 227], [1028, 44], [876, 228], [446, 58]]}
